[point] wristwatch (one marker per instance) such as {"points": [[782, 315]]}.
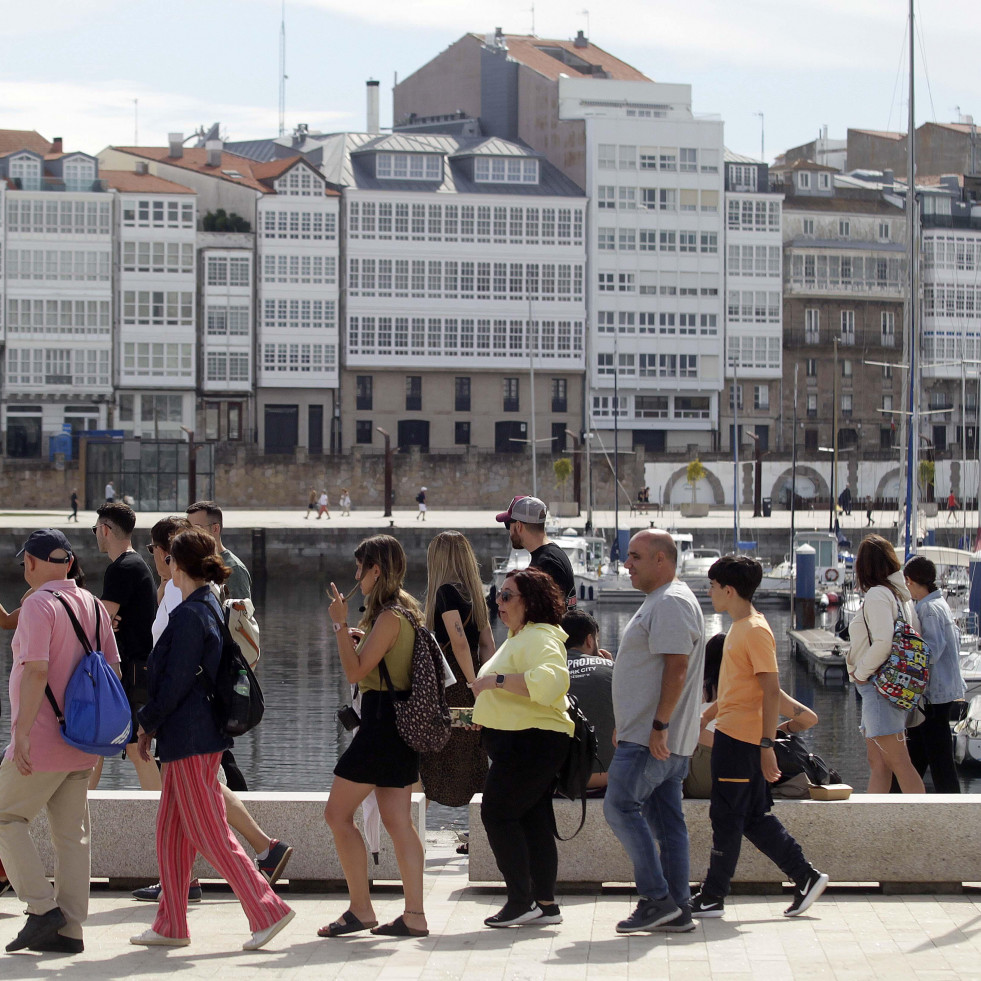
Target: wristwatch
{"points": [[500, 680], [658, 726], [766, 743]]}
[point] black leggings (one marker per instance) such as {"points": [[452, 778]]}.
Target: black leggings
{"points": [[517, 809], [930, 745]]}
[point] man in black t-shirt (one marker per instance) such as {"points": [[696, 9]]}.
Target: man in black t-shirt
{"points": [[525, 521], [591, 681], [130, 597]]}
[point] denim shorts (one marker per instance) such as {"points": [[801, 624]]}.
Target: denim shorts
{"points": [[880, 717]]}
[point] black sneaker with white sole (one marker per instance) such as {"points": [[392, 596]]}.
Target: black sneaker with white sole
{"points": [[703, 905], [514, 915], [551, 914], [807, 892], [649, 914]]}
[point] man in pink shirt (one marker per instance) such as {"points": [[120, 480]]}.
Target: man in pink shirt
{"points": [[39, 769]]}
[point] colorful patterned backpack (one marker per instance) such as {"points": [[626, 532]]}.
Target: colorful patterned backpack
{"points": [[903, 677]]}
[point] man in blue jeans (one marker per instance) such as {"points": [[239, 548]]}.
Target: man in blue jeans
{"points": [[657, 687]]}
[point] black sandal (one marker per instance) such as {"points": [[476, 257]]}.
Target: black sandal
{"points": [[398, 928], [348, 923]]}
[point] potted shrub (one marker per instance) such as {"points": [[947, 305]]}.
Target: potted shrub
{"points": [[694, 472], [562, 468]]}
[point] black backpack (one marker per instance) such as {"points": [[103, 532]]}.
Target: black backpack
{"points": [[420, 497], [235, 695], [572, 779], [793, 758]]}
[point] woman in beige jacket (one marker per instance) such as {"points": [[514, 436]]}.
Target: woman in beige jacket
{"points": [[880, 577]]}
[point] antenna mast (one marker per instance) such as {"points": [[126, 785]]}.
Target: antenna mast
{"points": [[282, 72]]}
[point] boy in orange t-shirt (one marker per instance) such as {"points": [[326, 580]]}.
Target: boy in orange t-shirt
{"points": [[743, 760]]}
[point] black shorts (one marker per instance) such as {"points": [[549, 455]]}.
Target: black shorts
{"points": [[378, 755]]}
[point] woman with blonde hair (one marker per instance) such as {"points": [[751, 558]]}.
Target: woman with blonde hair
{"points": [[378, 759], [880, 576], [456, 612]]}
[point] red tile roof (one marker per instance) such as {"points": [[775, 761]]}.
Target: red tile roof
{"points": [[128, 180], [528, 50], [12, 140]]}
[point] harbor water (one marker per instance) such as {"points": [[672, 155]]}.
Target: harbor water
{"points": [[298, 743]]}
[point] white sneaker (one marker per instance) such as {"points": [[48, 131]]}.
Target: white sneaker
{"points": [[261, 937], [151, 938]]}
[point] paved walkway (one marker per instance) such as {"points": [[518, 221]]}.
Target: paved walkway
{"points": [[848, 934]]}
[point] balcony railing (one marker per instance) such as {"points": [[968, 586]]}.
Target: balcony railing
{"points": [[855, 287]]}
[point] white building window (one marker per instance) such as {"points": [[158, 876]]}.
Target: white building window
{"points": [[888, 329], [848, 327], [761, 397], [606, 158], [812, 325], [409, 166], [505, 170], [688, 162]]}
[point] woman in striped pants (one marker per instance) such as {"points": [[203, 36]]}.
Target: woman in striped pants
{"points": [[191, 817]]}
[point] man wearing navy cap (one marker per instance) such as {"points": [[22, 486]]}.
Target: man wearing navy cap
{"points": [[525, 521], [39, 769]]}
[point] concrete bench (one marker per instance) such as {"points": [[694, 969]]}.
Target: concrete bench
{"points": [[124, 838], [914, 843]]}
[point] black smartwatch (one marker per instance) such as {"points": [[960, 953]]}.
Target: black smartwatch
{"points": [[658, 726], [500, 680], [766, 743]]}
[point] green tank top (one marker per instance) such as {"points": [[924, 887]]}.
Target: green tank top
{"points": [[398, 660]]}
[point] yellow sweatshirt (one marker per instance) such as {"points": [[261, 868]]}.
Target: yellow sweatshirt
{"points": [[537, 651]]}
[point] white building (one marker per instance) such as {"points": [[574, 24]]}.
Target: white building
{"points": [[56, 292], [654, 179], [155, 324], [268, 252], [754, 305]]}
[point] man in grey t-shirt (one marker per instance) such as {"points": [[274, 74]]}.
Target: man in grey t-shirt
{"points": [[657, 686]]}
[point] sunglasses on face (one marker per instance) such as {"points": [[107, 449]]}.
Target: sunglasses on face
{"points": [[95, 529], [506, 595]]}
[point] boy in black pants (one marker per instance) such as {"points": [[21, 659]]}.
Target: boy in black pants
{"points": [[743, 760]]}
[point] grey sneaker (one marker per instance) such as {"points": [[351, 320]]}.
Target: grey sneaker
{"points": [[806, 892], [682, 923], [650, 913]]}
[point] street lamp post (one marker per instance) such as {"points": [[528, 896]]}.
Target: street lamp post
{"points": [[576, 470], [388, 472], [192, 466]]}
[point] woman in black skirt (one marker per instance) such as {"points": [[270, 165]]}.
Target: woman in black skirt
{"points": [[378, 759]]}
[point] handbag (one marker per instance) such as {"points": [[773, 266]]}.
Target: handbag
{"points": [[572, 778], [902, 678]]}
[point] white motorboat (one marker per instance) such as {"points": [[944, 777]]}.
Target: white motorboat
{"points": [[586, 554], [831, 573], [693, 567], [614, 584]]}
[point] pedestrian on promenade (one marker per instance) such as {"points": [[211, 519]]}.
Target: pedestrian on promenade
{"points": [[421, 501], [929, 743], [110, 493], [345, 503], [743, 760], [951, 508], [657, 685], [40, 771], [207, 515], [324, 504], [129, 595], [591, 682], [880, 576], [522, 707], [456, 612], [378, 758], [272, 855], [74, 506], [525, 522], [868, 512], [311, 502], [178, 714]]}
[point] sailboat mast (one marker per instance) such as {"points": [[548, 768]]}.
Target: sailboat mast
{"points": [[912, 425]]}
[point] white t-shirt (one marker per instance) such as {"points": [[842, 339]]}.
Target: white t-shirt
{"points": [[172, 598]]}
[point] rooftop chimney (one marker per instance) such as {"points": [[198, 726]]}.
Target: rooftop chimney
{"points": [[56, 145], [372, 87], [176, 141], [142, 167], [214, 148], [580, 41]]}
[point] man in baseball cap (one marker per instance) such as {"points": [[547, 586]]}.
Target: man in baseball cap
{"points": [[525, 521], [48, 545]]}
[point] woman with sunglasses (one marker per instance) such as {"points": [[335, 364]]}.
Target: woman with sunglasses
{"points": [[378, 759], [178, 713], [929, 743], [522, 707]]}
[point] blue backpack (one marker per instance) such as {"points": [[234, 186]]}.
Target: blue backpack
{"points": [[97, 717]]}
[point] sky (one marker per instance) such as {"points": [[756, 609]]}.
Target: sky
{"points": [[73, 68]]}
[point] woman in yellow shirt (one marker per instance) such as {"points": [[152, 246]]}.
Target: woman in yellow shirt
{"points": [[378, 758], [522, 707]]}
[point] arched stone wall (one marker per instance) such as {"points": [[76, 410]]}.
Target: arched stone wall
{"points": [[820, 484], [681, 475], [894, 474]]}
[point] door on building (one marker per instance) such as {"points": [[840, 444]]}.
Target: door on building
{"points": [[282, 428], [653, 440], [414, 432], [510, 436], [315, 429]]}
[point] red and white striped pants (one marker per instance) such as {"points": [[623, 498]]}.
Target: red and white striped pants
{"points": [[192, 819]]}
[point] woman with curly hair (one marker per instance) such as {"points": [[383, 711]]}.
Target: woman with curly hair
{"points": [[522, 707], [378, 759]]}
